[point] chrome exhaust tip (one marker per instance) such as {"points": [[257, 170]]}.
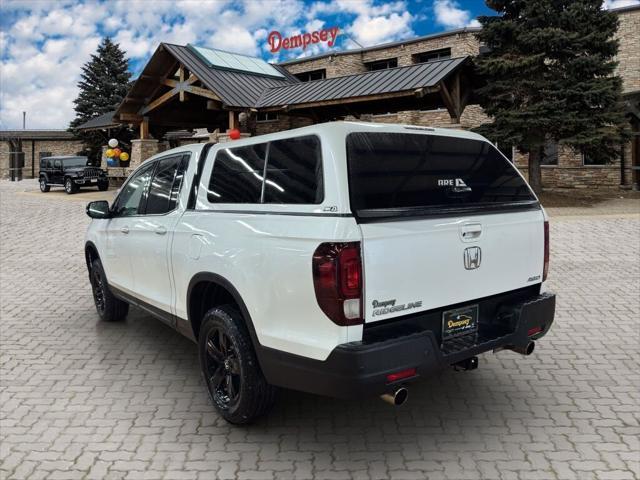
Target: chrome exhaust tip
{"points": [[397, 397], [526, 350]]}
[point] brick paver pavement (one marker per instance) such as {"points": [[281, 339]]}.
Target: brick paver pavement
{"points": [[85, 399]]}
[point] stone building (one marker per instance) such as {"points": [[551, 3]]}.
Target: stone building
{"points": [[563, 168], [35, 144], [427, 80]]}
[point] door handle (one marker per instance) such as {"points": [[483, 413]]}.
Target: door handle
{"points": [[470, 231], [124, 229], [161, 230]]}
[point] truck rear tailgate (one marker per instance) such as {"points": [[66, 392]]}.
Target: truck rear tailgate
{"points": [[417, 265], [445, 219]]}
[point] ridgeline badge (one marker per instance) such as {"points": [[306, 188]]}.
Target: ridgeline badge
{"points": [[276, 42]]}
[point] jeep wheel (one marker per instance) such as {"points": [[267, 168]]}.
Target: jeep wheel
{"points": [[69, 186], [230, 368], [44, 186], [103, 186], [109, 308]]}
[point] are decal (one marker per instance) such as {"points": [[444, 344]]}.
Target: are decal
{"points": [[302, 40]]}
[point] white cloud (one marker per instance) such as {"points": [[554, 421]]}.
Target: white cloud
{"points": [[373, 23], [45, 43], [449, 14], [373, 30], [608, 4]]}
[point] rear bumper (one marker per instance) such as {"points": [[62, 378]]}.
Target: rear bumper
{"points": [[360, 369]]}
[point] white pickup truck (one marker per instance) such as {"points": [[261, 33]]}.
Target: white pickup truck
{"points": [[342, 259]]}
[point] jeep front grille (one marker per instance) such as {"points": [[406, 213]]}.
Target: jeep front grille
{"points": [[91, 172]]}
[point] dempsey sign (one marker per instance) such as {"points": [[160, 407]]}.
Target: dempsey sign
{"points": [[328, 35]]}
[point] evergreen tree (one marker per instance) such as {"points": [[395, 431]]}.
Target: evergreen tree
{"points": [[549, 75], [104, 83]]}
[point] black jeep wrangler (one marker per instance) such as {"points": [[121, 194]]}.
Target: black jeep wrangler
{"points": [[71, 173]]}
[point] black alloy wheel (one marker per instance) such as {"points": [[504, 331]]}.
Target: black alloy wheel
{"points": [[98, 290], [223, 369], [109, 308], [230, 370]]}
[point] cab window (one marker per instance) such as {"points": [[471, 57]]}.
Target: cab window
{"points": [[131, 197]]}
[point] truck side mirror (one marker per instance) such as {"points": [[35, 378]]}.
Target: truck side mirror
{"points": [[98, 209]]}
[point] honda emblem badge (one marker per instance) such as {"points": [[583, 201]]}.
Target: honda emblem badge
{"points": [[472, 258]]}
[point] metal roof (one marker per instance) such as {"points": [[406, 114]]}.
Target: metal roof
{"points": [[37, 135], [235, 89], [392, 80], [104, 121]]}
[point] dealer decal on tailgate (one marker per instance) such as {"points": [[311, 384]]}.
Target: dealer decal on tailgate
{"points": [[389, 306]]}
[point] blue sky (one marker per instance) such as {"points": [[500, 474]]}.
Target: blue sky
{"points": [[43, 43]]}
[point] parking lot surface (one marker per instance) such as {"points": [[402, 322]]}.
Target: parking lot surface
{"points": [[85, 399]]}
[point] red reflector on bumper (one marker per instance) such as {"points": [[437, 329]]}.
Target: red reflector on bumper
{"points": [[533, 331], [393, 377]]}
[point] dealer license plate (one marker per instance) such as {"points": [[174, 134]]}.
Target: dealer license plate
{"points": [[460, 321]]}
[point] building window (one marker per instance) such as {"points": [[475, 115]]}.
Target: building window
{"points": [[312, 75], [266, 117], [591, 160], [550, 154], [432, 55], [382, 64]]}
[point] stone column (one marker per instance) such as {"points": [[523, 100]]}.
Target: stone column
{"points": [[141, 149], [103, 157]]}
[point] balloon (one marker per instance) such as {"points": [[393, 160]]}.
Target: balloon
{"points": [[124, 156], [234, 134], [109, 153], [113, 143], [117, 152]]}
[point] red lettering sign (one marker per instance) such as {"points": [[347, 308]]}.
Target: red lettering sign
{"points": [[276, 42]]}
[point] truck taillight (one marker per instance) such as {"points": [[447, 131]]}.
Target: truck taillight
{"points": [[545, 268], [337, 279]]}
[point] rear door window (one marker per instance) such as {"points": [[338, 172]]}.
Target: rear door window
{"points": [[237, 175], [165, 185], [294, 171], [404, 173]]}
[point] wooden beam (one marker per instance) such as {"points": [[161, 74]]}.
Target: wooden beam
{"points": [[449, 103], [149, 77], [159, 101], [130, 117], [182, 95], [202, 92], [144, 128], [192, 79], [421, 92], [455, 93], [170, 70], [170, 82], [341, 101], [233, 120]]}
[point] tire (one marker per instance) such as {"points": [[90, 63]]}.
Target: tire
{"points": [[110, 308], [44, 185], [230, 369], [103, 186], [69, 186]]}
